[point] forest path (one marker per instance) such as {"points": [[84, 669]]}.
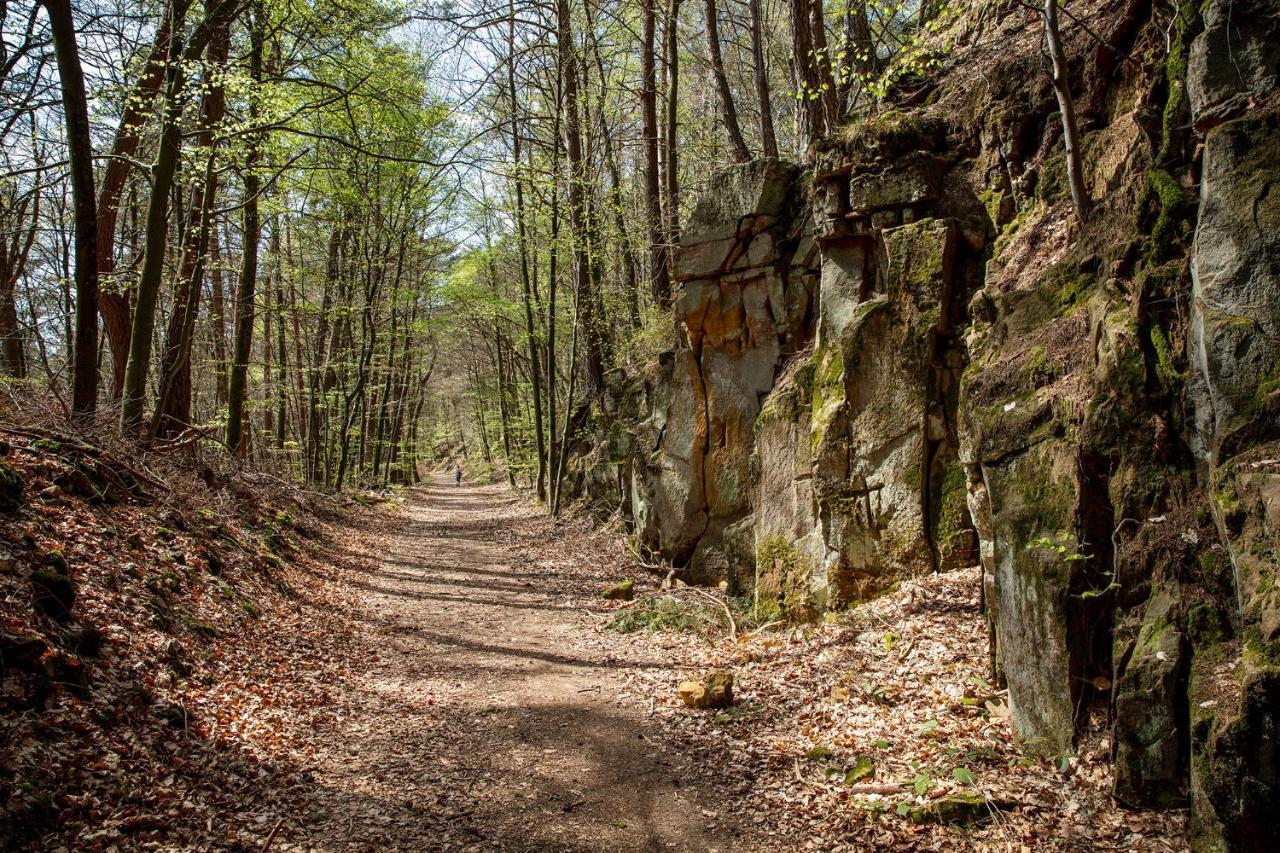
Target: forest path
{"points": [[479, 723]]}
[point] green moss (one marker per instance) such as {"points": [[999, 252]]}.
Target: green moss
{"points": [[1010, 231], [892, 134], [1047, 502], [164, 534], [782, 588], [620, 591], [1268, 385], [47, 445], [954, 502], [1258, 652], [1053, 175], [1168, 375], [1187, 24], [1170, 204], [1205, 626], [11, 488], [959, 808], [53, 592], [828, 392], [1036, 371], [911, 478], [1213, 566]]}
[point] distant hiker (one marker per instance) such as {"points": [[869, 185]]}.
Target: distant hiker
{"points": [[457, 475]]}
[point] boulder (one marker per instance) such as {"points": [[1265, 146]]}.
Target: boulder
{"points": [[1235, 319], [1234, 353], [713, 690], [620, 591], [739, 307], [53, 593], [1235, 59], [954, 809], [11, 488]]}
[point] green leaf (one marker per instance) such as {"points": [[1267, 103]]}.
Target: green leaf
{"points": [[963, 776]]}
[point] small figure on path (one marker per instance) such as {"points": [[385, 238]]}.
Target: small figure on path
{"points": [[457, 475]]}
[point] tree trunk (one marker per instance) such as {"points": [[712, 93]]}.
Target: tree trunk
{"points": [[319, 363], [217, 321], [808, 84], [174, 406], [84, 393], [113, 302], [1066, 105], [238, 380], [672, 236], [577, 195], [14, 252], [659, 270], [768, 136], [741, 153], [822, 66], [522, 237]]}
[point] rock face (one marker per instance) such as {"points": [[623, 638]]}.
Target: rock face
{"points": [[744, 295], [804, 447], [909, 356], [1235, 359]]}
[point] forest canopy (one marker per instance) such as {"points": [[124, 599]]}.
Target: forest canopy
{"points": [[340, 236]]}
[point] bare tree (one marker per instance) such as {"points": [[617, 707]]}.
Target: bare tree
{"points": [[729, 112], [1066, 106], [659, 270], [84, 389], [768, 136]]}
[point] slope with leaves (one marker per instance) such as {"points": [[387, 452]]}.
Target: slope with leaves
{"points": [[148, 624]]}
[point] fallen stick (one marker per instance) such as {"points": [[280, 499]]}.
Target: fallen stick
{"points": [[873, 788], [266, 845]]}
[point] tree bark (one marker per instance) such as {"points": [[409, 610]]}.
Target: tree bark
{"points": [[238, 380], [1066, 105], [157, 227], [659, 270], [522, 237], [14, 252], [768, 136], [673, 158], [113, 302], [174, 406], [594, 361], [217, 320], [808, 84], [741, 152], [84, 389]]}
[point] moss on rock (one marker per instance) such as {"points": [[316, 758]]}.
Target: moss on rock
{"points": [[11, 488]]}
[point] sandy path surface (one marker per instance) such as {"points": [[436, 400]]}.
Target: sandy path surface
{"points": [[477, 722]]}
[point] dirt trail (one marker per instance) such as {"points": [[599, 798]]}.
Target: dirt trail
{"points": [[479, 723]]}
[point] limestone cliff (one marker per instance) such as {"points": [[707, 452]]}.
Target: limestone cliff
{"points": [[908, 355]]}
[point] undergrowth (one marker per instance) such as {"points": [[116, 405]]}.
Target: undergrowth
{"points": [[682, 613]]}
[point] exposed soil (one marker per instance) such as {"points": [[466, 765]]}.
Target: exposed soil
{"points": [[478, 721]]}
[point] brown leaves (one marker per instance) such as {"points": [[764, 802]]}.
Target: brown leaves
{"points": [[158, 711]]}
